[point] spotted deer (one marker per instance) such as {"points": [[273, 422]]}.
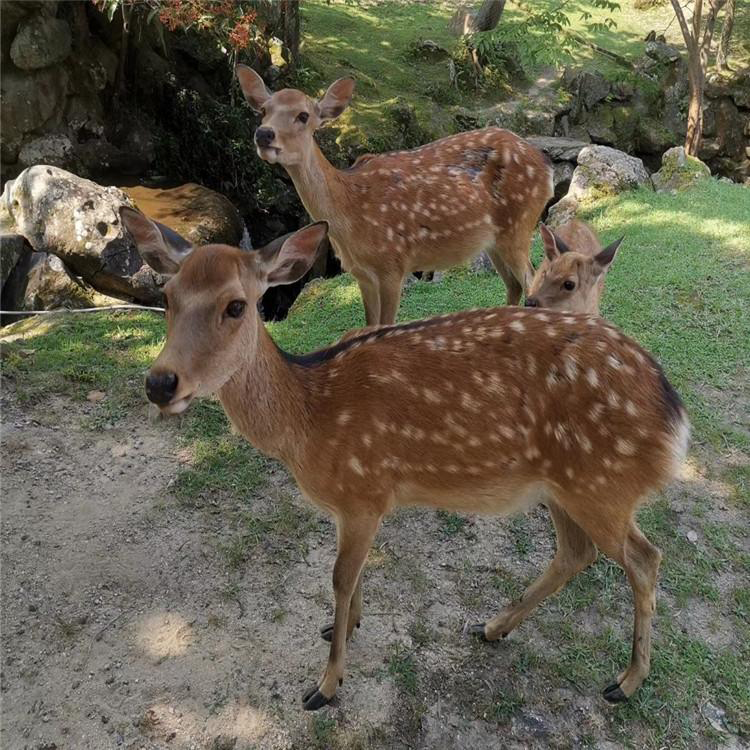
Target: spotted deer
{"points": [[426, 209], [571, 275], [437, 413]]}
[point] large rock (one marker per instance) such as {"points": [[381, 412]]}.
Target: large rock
{"points": [[558, 149], [200, 215], [29, 101], [605, 170], [41, 41], [679, 171], [79, 221], [12, 249], [50, 286], [664, 54], [56, 150]]}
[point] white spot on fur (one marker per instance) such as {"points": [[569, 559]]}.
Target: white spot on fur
{"points": [[356, 466]]}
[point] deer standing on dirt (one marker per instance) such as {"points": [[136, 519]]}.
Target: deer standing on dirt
{"points": [[436, 412], [426, 209], [571, 275]]}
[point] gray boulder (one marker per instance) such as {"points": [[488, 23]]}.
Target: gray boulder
{"points": [[41, 41], [50, 286], [79, 221], [56, 150], [12, 249], [29, 101], [664, 54], [679, 171], [605, 170], [558, 149]]}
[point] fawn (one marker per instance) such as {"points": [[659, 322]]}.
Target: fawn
{"points": [[436, 412], [571, 275], [426, 209]]}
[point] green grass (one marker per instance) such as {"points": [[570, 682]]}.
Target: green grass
{"points": [[374, 42], [402, 667], [680, 285]]}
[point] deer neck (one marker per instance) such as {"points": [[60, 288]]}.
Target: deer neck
{"points": [[319, 184], [267, 402]]}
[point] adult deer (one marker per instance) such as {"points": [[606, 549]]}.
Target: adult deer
{"points": [[394, 213], [437, 412], [571, 275]]}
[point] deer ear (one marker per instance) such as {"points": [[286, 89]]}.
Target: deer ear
{"points": [[255, 91], [336, 99], [605, 257], [161, 247], [288, 261], [553, 245]]}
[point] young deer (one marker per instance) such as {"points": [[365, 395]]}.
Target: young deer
{"points": [[438, 413], [394, 213], [571, 275]]}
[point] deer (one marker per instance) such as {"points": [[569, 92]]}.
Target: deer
{"points": [[435, 413], [394, 213], [571, 275]]}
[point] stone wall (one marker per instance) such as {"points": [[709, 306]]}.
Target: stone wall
{"points": [[57, 83]]}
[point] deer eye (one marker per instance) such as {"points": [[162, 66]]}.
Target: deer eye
{"points": [[569, 285], [236, 308], [303, 117]]}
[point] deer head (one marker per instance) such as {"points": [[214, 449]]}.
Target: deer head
{"points": [[211, 304], [290, 117], [568, 280]]}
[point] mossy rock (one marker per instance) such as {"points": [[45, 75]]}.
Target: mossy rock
{"points": [[679, 171]]}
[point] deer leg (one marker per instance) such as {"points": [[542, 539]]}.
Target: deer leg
{"points": [[355, 614], [575, 552], [514, 290], [368, 287], [390, 298], [641, 563], [355, 536]]}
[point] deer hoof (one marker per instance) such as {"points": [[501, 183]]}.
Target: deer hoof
{"points": [[614, 694], [326, 632], [478, 631], [313, 699]]}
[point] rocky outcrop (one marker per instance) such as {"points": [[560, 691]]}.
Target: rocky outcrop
{"points": [[646, 114], [200, 215], [605, 170], [679, 171], [77, 223], [53, 75], [40, 41], [600, 170]]}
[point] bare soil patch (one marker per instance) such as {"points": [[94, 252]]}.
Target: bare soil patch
{"points": [[126, 622]]}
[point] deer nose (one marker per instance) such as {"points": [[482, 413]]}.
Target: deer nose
{"points": [[264, 136], [161, 387], [531, 302]]}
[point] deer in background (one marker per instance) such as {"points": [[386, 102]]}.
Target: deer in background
{"points": [[437, 413], [426, 209], [571, 275]]}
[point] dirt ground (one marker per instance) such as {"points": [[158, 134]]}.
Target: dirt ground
{"points": [[124, 625]]}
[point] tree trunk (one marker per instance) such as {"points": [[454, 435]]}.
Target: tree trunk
{"points": [[722, 53], [291, 32], [488, 15], [485, 18], [695, 107]]}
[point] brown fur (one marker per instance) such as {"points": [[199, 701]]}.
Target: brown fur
{"points": [[424, 209], [486, 411]]}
